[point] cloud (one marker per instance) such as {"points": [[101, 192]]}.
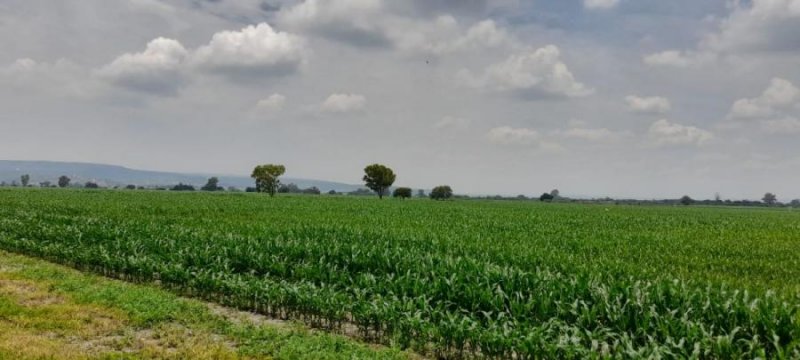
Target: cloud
{"points": [[157, 69], [594, 135], [254, 50], [648, 105], [781, 94], [272, 103], [532, 74], [356, 22], [600, 4], [764, 26], [450, 123], [506, 135], [788, 125], [446, 36], [679, 59], [663, 132], [343, 103]]}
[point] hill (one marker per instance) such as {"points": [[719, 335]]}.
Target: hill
{"points": [[113, 175]]}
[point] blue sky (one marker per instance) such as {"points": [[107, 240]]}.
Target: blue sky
{"points": [[627, 98]]}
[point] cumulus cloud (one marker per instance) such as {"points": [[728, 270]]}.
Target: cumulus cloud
{"points": [[602, 135], [648, 105], [780, 95], [664, 132], [532, 74], [272, 103], [157, 69], [764, 25], [253, 50], [506, 135], [600, 4], [451, 122], [343, 103], [356, 22], [788, 125], [679, 59]]}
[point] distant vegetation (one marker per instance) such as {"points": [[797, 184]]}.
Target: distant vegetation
{"points": [[452, 279]]}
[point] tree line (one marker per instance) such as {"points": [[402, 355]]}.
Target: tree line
{"points": [[379, 179]]}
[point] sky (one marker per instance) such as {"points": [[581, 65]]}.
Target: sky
{"points": [[621, 98]]}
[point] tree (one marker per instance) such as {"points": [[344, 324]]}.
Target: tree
{"points": [[291, 188], [91, 185], [441, 192], [770, 199], [795, 203], [266, 177], [379, 178], [402, 193], [44, 184], [546, 197], [555, 193], [332, 192], [312, 191], [131, 187], [421, 193], [25, 179], [182, 187], [686, 200], [63, 181], [212, 185]]}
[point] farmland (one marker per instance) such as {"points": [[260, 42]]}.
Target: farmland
{"points": [[450, 279]]}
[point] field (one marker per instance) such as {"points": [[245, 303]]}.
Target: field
{"points": [[447, 279]]}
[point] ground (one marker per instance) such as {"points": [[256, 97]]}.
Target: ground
{"points": [[48, 311]]}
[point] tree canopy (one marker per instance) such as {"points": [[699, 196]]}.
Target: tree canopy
{"points": [[402, 193], [266, 177], [378, 178], [441, 192]]}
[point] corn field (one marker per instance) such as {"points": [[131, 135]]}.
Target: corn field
{"points": [[461, 279]]}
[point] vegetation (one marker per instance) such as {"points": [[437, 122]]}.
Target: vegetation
{"points": [[402, 193], [24, 180], [494, 279], [182, 187], [770, 199], [266, 177], [63, 181], [378, 178], [51, 312], [546, 197], [212, 185], [442, 192]]}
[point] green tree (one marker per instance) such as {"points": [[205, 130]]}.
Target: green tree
{"points": [[770, 199], [441, 192], [266, 177], [212, 185], [378, 178], [546, 197], [63, 181], [686, 200], [402, 193], [25, 179]]}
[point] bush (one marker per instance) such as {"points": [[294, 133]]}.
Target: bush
{"points": [[183, 187], [442, 192], [402, 193]]}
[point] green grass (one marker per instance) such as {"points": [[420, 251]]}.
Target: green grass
{"points": [[48, 311], [447, 278]]}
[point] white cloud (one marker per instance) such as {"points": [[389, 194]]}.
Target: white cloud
{"points": [[254, 50], [765, 25], [342, 103], [451, 122], [664, 132], [600, 4], [157, 69], [788, 125], [679, 59], [446, 36], [648, 105], [592, 134], [781, 94], [357, 22], [506, 135], [272, 103], [532, 74]]}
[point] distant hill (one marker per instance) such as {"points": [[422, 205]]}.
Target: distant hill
{"points": [[113, 175]]}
